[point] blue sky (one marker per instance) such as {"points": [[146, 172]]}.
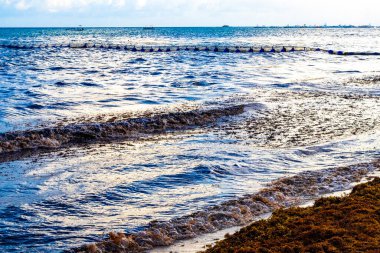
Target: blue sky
{"points": [[186, 12]]}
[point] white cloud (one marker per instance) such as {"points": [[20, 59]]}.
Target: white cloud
{"points": [[61, 5], [207, 12], [140, 4], [22, 5]]}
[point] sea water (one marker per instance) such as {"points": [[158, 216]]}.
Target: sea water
{"points": [[303, 111]]}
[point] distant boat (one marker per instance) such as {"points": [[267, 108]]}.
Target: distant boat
{"points": [[148, 28], [225, 26], [78, 29]]}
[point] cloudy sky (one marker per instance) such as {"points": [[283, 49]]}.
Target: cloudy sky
{"points": [[27, 13]]}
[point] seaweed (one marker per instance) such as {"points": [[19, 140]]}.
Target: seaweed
{"points": [[334, 224]]}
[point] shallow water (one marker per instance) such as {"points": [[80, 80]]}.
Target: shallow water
{"points": [[305, 111]]}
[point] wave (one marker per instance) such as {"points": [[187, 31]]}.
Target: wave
{"points": [[281, 193], [56, 137]]}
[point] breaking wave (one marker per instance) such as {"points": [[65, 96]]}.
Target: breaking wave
{"points": [[56, 137]]}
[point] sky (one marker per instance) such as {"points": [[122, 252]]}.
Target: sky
{"points": [[63, 13]]}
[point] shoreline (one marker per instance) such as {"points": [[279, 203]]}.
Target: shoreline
{"points": [[200, 243], [282, 193], [347, 223]]}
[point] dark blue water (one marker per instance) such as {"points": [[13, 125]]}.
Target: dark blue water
{"points": [[312, 111]]}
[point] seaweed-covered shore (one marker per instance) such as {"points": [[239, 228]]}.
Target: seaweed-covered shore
{"points": [[334, 224]]}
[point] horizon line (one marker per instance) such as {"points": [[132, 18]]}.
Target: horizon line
{"points": [[211, 26]]}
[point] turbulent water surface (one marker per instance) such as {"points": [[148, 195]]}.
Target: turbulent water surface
{"points": [[97, 140]]}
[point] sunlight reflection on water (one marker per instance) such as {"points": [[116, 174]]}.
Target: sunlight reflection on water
{"points": [[59, 199]]}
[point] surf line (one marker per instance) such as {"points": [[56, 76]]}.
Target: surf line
{"points": [[124, 129], [216, 49], [281, 193]]}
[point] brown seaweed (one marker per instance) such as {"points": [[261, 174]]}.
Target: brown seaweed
{"points": [[347, 224]]}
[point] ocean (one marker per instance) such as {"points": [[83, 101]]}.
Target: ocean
{"points": [[206, 128]]}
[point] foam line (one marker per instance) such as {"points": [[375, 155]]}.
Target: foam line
{"points": [[133, 128]]}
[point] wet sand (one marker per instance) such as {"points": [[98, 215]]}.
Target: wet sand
{"points": [[199, 243]]}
